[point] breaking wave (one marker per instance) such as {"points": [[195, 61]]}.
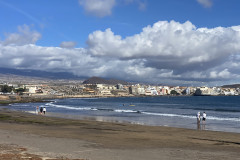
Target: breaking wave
{"points": [[140, 112]]}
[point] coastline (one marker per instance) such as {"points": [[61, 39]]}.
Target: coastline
{"points": [[9, 99], [115, 111], [89, 139]]}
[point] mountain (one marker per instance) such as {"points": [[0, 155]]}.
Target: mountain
{"points": [[38, 73], [98, 80], [55, 75]]}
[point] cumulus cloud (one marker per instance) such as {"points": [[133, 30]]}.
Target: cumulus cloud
{"points": [[68, 44], [166, 52], [99, 8], [178, 48], [24, 36], [167, 41], [43, 58], [76, 61], [102, 8], [205, 3]]}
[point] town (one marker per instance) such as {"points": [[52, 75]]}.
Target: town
{"points": [[78, 89]]}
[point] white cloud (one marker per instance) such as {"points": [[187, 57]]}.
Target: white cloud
{"points": [[178, 48], [165, 42], [68, 44], [99, 8], [24, 36], [76, 61], [205, 3], [102, 8], [166, 52]]}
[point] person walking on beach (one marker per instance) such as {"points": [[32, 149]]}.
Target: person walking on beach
{"points": [[198, 120], [204, 116], [44, 110], [198, 117], [37, 110], [41, 110]]}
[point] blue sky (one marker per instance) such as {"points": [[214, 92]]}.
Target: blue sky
{"points": [[137, 38], [66, 20]]}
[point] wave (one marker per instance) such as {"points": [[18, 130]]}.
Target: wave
{"points": [[20, 105], [223, 119], [142, 112], [126, 111], [92, 109], [192, 117], [169, 115], [69, 107]]}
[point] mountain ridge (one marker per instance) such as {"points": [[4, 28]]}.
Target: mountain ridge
{"points": [[38, 73], [98, 80]]}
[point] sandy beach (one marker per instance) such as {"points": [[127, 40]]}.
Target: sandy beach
{"points": [[28, 136]]}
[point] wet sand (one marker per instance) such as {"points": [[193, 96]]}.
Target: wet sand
{"points": [[42, 137]]}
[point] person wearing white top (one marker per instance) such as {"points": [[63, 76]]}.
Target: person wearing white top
{"points": [[204, 117], [198, 117], [37, 110], [198, 120], [44, 110]]}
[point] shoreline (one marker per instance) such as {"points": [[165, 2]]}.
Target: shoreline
{"points": [[162, 120], [104, 140], [199, 127], [5, 99], [9, 99]]}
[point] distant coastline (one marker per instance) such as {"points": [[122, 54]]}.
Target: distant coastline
{"points": [[8, 99]]}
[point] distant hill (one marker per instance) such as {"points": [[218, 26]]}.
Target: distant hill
{"points": [[231, 86], [7, 72], [98, 80], [38, 73]]}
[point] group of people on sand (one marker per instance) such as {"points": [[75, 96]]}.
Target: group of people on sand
{"points": [[203, 118], [41, 111]]}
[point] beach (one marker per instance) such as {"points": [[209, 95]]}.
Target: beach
{"points": [[43, 137]]}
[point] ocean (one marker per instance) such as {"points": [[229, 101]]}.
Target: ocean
{"points": [[223, 112]]}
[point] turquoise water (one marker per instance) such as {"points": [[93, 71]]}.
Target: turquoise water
{"points": [[223, 112]]}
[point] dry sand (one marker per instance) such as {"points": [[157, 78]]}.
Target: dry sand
{"points": [[28, 136]]}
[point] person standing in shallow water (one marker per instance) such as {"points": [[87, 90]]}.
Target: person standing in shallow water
{"points": [[44, 110], [198, 120], [198, 117], [37, 110], [204, 117], [41, 110]]}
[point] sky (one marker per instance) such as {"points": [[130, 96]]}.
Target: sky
{"points": [[174, 42]]}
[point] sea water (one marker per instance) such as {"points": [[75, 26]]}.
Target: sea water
{"points": [[223, 112]]}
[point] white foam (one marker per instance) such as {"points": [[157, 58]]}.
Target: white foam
{"points": [[168, 115], [192, 117], [125, 111], [69, 107], [223, 119], [147, 113]]}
